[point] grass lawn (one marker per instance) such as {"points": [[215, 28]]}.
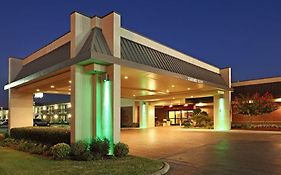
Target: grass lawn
{"points": [[15, 162]]}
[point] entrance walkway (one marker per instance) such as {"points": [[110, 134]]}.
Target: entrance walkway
{"points": [[203, 152]]}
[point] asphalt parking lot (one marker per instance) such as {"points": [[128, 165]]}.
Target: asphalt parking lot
{"points": [[208, 152]]}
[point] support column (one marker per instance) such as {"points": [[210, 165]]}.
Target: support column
{"points": [[81, 104], [222, 112], [113, 91], [106, 113], [20, 103], [151, 115], [147, 115], [143, 113], [20, 109], [135, 112], [222, 104]]}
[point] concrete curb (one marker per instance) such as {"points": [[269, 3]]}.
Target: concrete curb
{"points": [[163, 170]]}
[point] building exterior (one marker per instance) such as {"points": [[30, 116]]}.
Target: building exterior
{"points": [[261, 86], [104, 67], [54, 113], [3, 113]]}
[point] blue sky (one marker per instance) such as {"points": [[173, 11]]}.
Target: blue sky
{"points": [[244, 35]]}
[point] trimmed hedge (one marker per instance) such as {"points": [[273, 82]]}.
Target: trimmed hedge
{"points": [[60, 151], [121, 149], [44, 135]]}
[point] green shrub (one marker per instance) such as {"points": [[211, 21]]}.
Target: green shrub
{"points": [[187, 123], [60, 151], [44, 135], [48, 152], [79, 148], [39, 149], [201, 119], [100, 147], [6, 135], [26, 146], [2, 137], [9, 142], [121, 150], [86, 156]]}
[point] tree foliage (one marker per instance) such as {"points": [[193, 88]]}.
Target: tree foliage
{"points": [[255, 104]]}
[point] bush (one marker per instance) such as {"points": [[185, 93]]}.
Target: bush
{"points": [[39, 149], [2, 137], [9, 142], [121, 150], [6, 135], [100, 147], [60, 151], [86, 156], [26, 146], [201, 120], [187, 123], [80, 151], [255, 104], [44, 135]]}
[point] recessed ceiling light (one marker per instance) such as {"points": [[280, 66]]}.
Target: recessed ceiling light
{"points": [[69, 89], [173, 98], [161, 92], [52, 86], [167, 91], [69, 81], [173, 86], [134, 95], [37, 90], [126, 77], [188, 88], [191, 96]]}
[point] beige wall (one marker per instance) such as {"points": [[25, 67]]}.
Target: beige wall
{"points": [[20, 103], [20, 109], [81, 102], [80, 28]]}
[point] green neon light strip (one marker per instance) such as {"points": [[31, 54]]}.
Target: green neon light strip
{"points": [[107, 123]]}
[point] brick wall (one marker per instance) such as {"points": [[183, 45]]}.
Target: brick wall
{"points": [[275, 116]]}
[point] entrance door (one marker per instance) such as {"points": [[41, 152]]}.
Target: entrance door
{"points": [[175, 117], [178, 117]]}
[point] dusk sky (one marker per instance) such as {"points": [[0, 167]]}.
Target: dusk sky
{"points": [[243, 35]]}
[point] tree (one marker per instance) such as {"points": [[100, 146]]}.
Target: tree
{"points": [[255, 104]]}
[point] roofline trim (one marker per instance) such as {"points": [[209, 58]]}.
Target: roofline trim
{"points": [[257, 81], [61, 40], [107, 58], [165, 49]]}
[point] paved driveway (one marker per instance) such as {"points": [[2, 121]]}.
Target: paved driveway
{"points": [[208, 152]]}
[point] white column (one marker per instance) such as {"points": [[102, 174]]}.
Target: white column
{"points": [[222, 112], [151, 115], [147, 115], [20, 109], [20, 103], [115, 77], [81, 105]]}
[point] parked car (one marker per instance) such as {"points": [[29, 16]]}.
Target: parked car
{"points": [[40, 122]]}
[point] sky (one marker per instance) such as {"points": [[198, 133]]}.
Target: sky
{"points": [[243, 35]]}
